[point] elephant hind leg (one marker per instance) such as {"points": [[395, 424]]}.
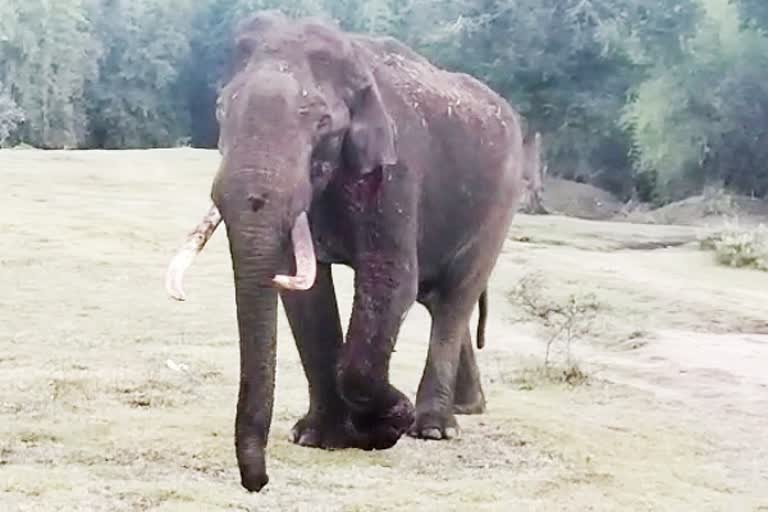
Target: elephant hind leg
{"points": [[468, 396], [435, 399]]}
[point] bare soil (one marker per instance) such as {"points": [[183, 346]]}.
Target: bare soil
{"points": [[705, 209], [113, 397], [580, 200], [713, 207]]}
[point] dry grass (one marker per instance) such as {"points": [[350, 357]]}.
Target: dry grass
{"points": [[738, 246], [94, 417], [531, 377]]}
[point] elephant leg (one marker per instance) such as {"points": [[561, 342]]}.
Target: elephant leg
{"points": [[436, 395], [314, 319], [385, 289], [468, 396]]}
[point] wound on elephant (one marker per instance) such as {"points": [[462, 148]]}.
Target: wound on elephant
{"points": [[364, 189]]}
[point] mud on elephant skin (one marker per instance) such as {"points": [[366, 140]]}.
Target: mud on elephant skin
{"points": [[346, 149]]}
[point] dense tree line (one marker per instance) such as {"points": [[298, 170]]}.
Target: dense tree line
{"points": [[654, 99]]}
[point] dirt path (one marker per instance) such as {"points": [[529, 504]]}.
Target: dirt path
{"points": [[114, 398]]}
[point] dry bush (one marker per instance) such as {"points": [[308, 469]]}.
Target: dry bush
{"points": [[562, 322], [738, 246]]}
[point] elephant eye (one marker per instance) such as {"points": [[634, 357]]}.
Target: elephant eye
{"points": [[313, 105], [325, 123]]}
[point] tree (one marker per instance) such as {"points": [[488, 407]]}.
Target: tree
{"points": [[651, 98], [134, 101], [47, 54], [703, 118], [547, 59], [388, 17], [754, 12], [10, 116]]}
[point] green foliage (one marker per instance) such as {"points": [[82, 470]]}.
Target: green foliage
{"points": [[134, 100], [651, 99], [389, 17], [754, 12], [703, 119], [47, 55], [10, 116]]}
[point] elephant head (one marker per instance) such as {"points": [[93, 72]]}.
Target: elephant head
{"points": [[300, 105]]}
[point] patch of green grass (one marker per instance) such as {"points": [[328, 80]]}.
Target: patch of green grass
{"points": [[535, 377]]}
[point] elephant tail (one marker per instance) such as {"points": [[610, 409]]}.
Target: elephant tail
{"points": [[483, 305]]}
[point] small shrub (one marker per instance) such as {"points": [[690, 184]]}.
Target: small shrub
{"points": [[738, 246], [563, 321]]}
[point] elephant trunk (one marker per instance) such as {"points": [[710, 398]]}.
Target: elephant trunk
{"points": [[255, 256], [260, 205], [262, 198], [257, 319]]}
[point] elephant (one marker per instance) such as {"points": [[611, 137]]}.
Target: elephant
{"points": [[341, 148]]}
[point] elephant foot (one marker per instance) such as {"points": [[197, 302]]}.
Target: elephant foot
{"points": [[379, 411], [434, 426], [374, 430], [315, 431], [383, 429]]}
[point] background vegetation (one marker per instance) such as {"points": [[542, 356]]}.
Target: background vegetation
{"points": [[652, 99]]}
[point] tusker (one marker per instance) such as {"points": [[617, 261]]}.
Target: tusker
{"points": [[340, 148]]}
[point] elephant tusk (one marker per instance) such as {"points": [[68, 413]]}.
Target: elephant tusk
{"points": [[184, 257], [304, 252]]}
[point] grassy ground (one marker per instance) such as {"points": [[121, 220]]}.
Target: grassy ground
{"points": [[113, 398]]}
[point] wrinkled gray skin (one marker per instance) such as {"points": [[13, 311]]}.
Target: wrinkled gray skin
{"points": [[410, 175]]}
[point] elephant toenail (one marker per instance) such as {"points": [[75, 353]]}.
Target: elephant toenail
{"points": [[452, 433]]}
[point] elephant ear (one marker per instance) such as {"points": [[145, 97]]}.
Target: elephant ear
{"points": [[343, 63], [371, 137]]}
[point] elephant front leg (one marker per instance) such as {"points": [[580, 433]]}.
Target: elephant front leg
{"points": [[314, 319], [385, 289]]}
